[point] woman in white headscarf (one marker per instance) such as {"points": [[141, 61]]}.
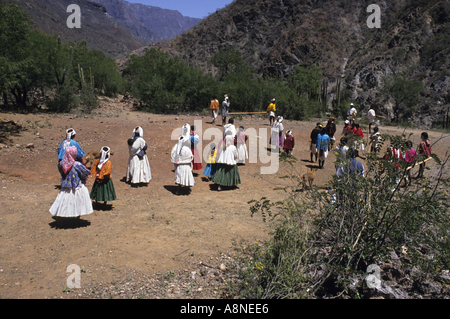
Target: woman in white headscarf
{"points": [[227, 173], [138, 165], [73, 199], [181, 156], [103, 188], [276, 138], [70, 141]]}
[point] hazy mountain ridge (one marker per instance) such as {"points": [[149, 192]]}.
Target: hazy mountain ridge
{"points": [[149, 22], [98, 29]]}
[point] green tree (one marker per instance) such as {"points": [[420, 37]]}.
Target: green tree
{"points": [[406, 94]]}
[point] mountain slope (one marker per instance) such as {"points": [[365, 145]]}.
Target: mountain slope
{"points": [[276, 35], [100, 30], [149, 22]]}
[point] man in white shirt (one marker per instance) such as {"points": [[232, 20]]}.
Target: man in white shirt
{"points": [[351, 113]]}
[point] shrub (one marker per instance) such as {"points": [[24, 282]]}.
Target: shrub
{"points": [[330, 236]]}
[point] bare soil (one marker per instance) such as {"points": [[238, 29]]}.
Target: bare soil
{"points": [[150, 243]]}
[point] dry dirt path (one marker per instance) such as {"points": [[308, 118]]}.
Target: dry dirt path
{"points": [[149, 228]]}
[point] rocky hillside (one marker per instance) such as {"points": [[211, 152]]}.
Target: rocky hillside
{"points": [[100, 30], [276, 35], [149, 22]]}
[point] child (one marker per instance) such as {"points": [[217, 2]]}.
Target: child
{"points": [[409, 157], [424, 151], [197, 161], [103, 188], [289, 143], [227, 173], [73, 199], [239, 140], [211, 166]]}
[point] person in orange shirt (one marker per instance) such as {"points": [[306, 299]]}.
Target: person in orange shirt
{"points": [[214, 107], [103, 188]]}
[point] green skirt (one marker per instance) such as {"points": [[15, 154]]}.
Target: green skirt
{"points": [[103, 192], [227, 175]]}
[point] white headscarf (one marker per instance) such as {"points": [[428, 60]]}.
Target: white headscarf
{"points": [[139, 130], [69, 134], [288, 133], [184, 137], [277, 124], [104, 157]]}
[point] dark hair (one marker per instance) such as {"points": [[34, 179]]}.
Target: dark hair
{"points": [[192, 127], [241, 128], [231, 120], [408, 144], [357, 125], [424, 135], [375, 129], [213, 146], [130, 141]]}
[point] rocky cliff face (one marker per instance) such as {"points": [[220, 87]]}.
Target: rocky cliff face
{"points": [[276, 35]]}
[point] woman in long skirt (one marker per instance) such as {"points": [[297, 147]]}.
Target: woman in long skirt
{"points": [[277, 138], [103, 188], [138, 165], [227, 173], [241, 146], [211, 165], [195, 139], [73, 199], [181, 157]]}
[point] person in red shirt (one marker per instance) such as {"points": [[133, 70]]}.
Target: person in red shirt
{"points": [[289, 143], [424, 150]]}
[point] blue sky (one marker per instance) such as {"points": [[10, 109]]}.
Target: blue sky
{"points": [[189, 8]]}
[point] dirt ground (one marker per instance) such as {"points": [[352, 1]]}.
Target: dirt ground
{"points": [[149, 233]]}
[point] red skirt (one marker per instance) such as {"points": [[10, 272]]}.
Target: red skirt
{"points": [[197, 162]]}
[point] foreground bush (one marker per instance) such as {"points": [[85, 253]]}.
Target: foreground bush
{"points": [[324, 239]]}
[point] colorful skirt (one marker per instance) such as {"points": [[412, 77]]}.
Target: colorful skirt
{"points": [[197, 161], [227, 175], [210, 170], [103, 192]]}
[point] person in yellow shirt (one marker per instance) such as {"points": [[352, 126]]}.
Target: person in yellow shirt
{"points": [[271, 109], [214, 107], [211, 165]]}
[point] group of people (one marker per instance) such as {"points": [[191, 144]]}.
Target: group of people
{"points": [[75, 200], [223, 159]]}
